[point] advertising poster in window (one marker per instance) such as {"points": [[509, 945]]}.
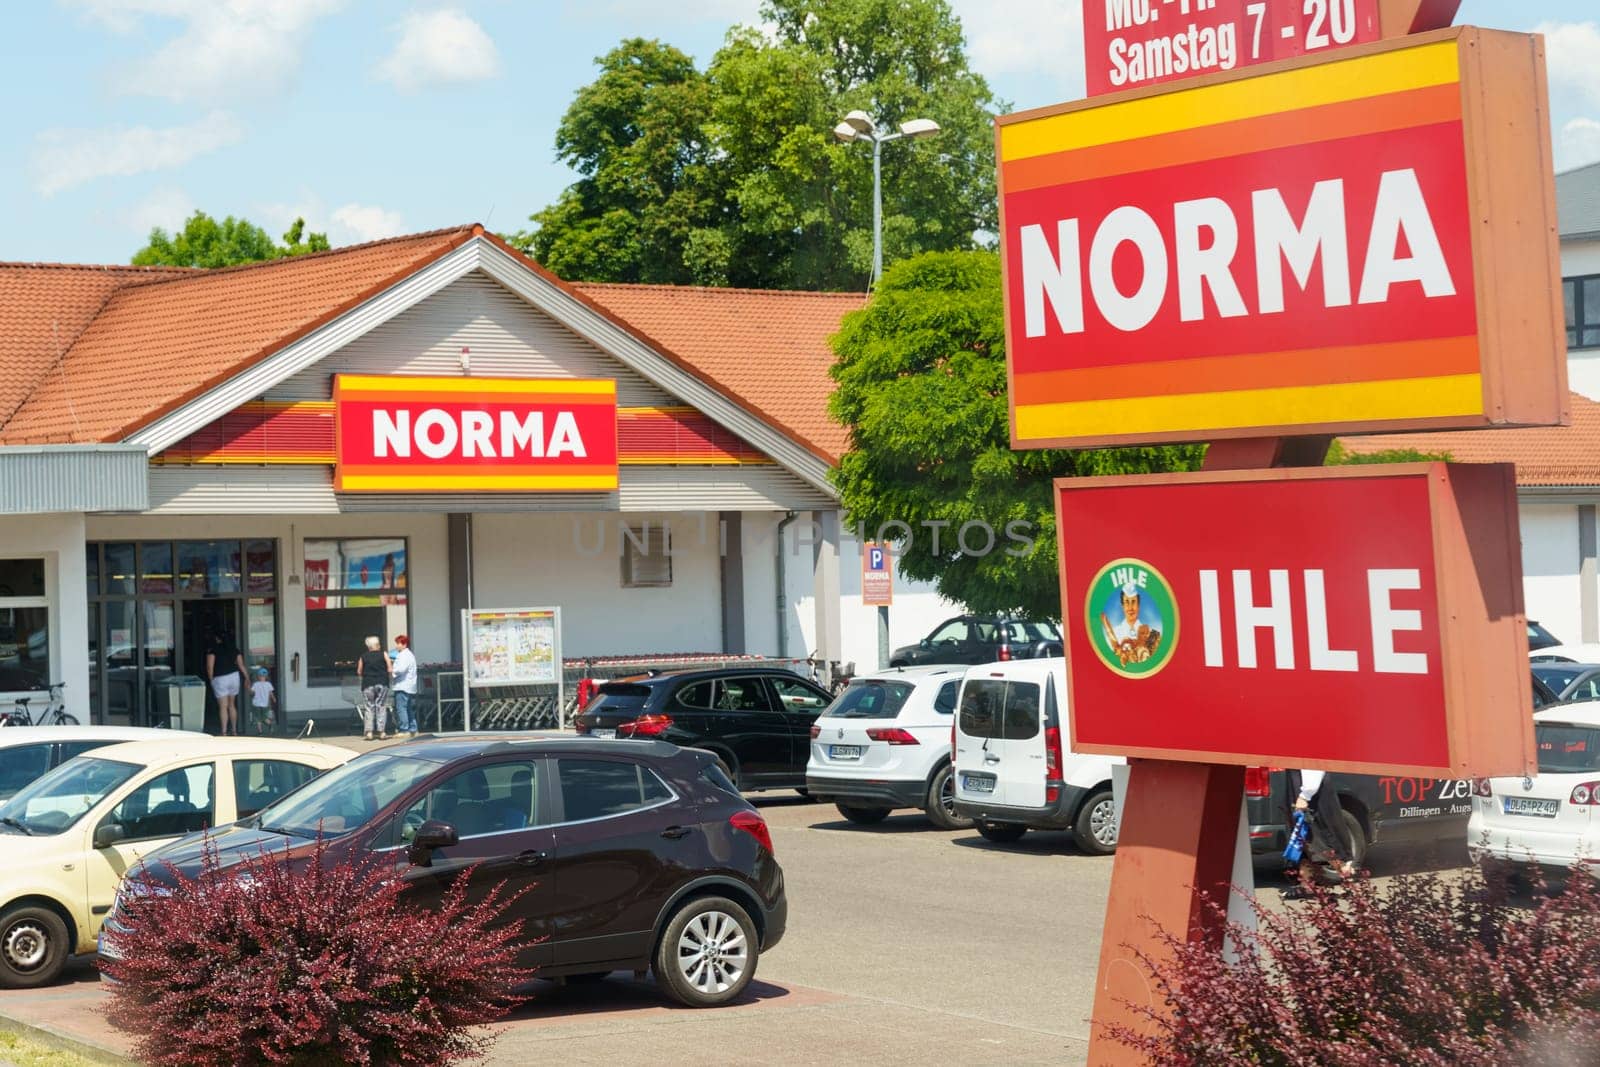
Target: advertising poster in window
{"points": [[518, 647]]}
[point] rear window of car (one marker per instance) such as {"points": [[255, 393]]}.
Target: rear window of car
{"points": [[1564, 749], [1023, 632], [870, 699], [1000, 709], [619, 695]]}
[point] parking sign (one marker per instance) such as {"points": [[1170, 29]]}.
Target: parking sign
{"points": [[877, 575]]}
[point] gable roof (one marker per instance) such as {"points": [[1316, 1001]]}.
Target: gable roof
{"points": [[1546, 456], [767, 348], [1578, 201], [146, 343]]}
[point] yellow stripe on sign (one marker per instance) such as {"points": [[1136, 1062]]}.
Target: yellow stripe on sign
{"points": [[1406, 398], [1210, 105], [422, 483], [362, 383]]}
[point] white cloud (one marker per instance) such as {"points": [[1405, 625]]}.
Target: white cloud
{"points": [[1572, 56], [227, 48], [444, 47], [1580, 143], [167, 207], [63, 158], [631, 11], [1041, 38], [354, 223]]}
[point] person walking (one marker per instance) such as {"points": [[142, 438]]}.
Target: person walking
{"points": [[1330, 831], [405, 686], [265, 701], [226, 672], [375, 675]]}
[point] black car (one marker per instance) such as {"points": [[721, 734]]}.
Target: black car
{"points": [[1378, 809], [756, 720], [633, 855], [981, 639]]}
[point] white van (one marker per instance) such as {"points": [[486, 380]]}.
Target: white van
{"points": [[1014, 768]]}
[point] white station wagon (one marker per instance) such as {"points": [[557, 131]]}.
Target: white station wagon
{"points": [[1553, 817]]}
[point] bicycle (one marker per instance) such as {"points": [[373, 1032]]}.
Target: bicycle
{"points": [[54, 715]]}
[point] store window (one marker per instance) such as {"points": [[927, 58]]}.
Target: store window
{"points": [[646, 557], [1582, 299], [24, 625], [355, 588]]}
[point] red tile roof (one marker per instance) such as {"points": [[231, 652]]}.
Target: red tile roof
{"points": [[1549, 456], [766, 349], [95, 353]]}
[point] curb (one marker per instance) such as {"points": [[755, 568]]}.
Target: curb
{"points": [[49, 1035]]}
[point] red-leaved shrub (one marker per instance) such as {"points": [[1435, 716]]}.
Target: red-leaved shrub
{"points": [[1430, 969], [309, 963]]}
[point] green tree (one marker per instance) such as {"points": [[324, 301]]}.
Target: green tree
{"points": [[1339, 455], [922, 388], [205, 242], [733, 177]]}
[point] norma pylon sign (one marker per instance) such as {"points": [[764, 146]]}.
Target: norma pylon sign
{"points": [[1361, 242]]}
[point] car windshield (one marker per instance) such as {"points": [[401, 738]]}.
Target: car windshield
{"points": [[870, 698], [51, 803], [1565, 749], [345, 798], [1557, 675]]}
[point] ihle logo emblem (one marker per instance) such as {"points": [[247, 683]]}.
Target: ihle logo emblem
{"points": [[1132, 618]]}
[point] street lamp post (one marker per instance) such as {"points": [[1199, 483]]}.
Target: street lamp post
{"points": [[858, 126]]}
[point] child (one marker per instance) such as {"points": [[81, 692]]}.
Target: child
{"points": [[265, 701]]}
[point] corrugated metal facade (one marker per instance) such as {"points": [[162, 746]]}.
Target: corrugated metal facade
{"points": [[176, 490], [504, 338], [72, 478]]}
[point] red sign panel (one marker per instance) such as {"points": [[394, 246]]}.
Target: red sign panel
{"points": [[1302, 617], [1129, 43], [397, 434]]}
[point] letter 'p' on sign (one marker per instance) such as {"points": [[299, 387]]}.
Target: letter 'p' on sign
{"points": [[525, 435], [1357, 242]]}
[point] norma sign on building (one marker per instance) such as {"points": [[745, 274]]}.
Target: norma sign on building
{"points": [[401, 434], [1131, 43], [1268, 617], [1355, 242]]}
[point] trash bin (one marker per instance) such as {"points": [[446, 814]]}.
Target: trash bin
{"points": [[180, 703]]}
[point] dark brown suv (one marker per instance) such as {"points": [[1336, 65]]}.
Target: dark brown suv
{"points": [[634, 855]]}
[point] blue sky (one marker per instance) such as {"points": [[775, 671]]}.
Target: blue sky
{"points": [[373, 118]]}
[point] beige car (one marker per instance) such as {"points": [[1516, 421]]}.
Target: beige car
{"points": [[68, 837]]}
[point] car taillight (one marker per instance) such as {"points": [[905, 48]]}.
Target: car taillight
{"points": [[893, 735], [1258, 781], [645, 726], [753, 824], [816, 731], [1586, 794], [1005, 653], [1052, 752], [1480, 788]]}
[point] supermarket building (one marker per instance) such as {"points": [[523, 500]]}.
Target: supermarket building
{"points": [[182, 451]]}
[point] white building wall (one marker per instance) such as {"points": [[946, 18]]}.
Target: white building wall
{"points": [[59, 540], [428, 582], [1550, 561], [573, 561]]}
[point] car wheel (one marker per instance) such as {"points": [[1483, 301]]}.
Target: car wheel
{"points": [[33, 947], [708, 953], [864, 816], [1358, 837], [1001, 833], [1096, 827], [941, 802]]}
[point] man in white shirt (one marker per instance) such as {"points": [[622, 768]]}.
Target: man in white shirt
{"points": [[405, 685], [1328, 820]]}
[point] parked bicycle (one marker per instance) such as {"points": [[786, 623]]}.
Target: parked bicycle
{"points": [[54, 713]]}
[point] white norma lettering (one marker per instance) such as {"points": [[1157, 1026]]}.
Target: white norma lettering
{"points": [[391, 434]]}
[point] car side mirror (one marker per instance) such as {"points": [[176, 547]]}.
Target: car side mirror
{"points": [[925, 643], [430, 835], [108, 834]]}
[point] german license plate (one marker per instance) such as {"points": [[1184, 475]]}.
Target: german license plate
{"points": [[602, 733], [1532, 806], [844, 751], [977, 785]]}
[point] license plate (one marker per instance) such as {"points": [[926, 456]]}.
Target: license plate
{"points": [[977, 785], [1532, 806], [602, 733], [844, 751]]}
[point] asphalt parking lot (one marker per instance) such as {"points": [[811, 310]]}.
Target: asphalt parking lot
{"points": [[905, 944]]}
